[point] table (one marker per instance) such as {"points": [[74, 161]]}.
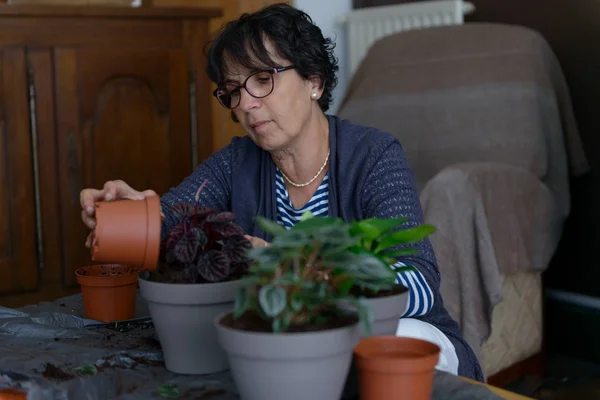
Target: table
{"points": [[505, 394], [55, 353]]}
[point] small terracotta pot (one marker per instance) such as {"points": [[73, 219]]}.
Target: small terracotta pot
{"points": [[128, 232], [12, 394], [395, 368], [108, 291]]}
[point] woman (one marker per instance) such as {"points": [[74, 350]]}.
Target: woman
{"points": [[276, 71]]}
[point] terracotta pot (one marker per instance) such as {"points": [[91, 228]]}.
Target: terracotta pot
{"points": [[386, 311], [128, 232], [108, 291], [395, 368], [12, 394], [183, 315], [290, 366]]}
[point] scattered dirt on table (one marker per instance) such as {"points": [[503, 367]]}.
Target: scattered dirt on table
{"points": [[210, 393], [200, 394], [144, 361], [55, 373], [112, 362]]}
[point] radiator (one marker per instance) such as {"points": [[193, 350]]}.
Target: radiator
{"points": [[364, 26]]}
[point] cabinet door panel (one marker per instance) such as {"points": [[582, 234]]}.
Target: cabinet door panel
{"points": [[18, 245], [121, 115]]}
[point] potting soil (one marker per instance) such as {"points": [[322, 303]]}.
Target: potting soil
{"points": [[55, 353]]}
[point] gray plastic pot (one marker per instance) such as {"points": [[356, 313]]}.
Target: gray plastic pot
{"points": [[183, 315], [290, 366], [386, 315]]}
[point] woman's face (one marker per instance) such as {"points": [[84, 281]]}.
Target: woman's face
{"points": [[275, 121]]}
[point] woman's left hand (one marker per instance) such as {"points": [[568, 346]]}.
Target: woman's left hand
{"points": [[256, 242]]}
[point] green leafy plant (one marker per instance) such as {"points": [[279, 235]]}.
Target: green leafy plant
{"points": [[305, 276], [385, 240]]}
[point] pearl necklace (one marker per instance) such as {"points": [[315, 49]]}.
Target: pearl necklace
{"points": [[312, 180]]}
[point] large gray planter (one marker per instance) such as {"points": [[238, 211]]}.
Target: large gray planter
{"points": [[183, 315], [290, 366]]}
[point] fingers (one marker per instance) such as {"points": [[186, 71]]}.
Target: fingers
{"points": [[88, 220], [88, 199], [256, 242], [88, 241], [148, 193]]}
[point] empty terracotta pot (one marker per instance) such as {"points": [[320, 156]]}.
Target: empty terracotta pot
{"points": [[128, 232], [108, 291], [12, 394], [395, 368]]}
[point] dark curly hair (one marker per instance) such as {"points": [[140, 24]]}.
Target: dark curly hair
{"points": [[294, 35]]}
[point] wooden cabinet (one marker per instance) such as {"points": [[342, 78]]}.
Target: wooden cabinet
{"points": [[88, 95], [18, 258]]}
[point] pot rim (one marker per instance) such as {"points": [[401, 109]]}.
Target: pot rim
{"points": [[425, 354], [233, 282], [153, 208], [286, 346], [217, 322], [129, 277], [187, 294]]}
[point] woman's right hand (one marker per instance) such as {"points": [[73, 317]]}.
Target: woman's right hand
{"points": [[112, 190]]}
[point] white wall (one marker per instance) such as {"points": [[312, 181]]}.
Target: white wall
{"points": [[326, 14]]}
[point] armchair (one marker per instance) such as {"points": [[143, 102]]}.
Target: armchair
{"points": [[485, 119]]}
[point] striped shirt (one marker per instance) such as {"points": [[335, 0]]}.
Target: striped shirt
{"points": [[420, 298]]}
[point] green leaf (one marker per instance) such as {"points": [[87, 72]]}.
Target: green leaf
{"points": [[317, 222], [410, 235], [385, 225], [263, 255], [307, 215], [272, 300], [282, 323], [277, 325], [270, 227], [400, 253], [365, 313], [242, 302], [168, 391], [370, 266], [292, 239], [86, 370], [296, 302], [403, 268], [345, 287], [366, 230]]}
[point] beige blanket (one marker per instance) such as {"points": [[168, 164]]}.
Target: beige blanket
{"points": [[484, 116]]}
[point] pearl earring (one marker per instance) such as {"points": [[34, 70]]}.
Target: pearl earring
{"points": [[313, 96]]}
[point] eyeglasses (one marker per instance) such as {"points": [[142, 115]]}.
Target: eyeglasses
{"points": [[258, 85]]}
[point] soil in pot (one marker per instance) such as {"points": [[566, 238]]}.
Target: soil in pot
{"points": [[128, 232], [109, 291], [395, 368], [308, 363], [252, 322], [183, 315]]}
